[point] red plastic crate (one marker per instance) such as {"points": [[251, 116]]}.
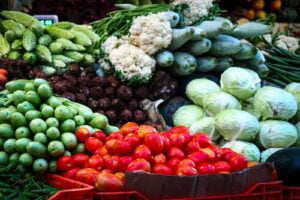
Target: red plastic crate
{"points": [[118, 196], [71, 190], [259, 191], [291, 193]]}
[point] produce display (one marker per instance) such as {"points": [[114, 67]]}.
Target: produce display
{"points": [[242, 114], [143, 148], [37, 127], [53, 47]]}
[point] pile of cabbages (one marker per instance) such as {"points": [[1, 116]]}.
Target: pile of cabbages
{"points": [[242, 114]]}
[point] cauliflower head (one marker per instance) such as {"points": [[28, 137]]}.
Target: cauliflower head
{"points": [[151, 33], [287, 43], [197, 9], [132, 63]]}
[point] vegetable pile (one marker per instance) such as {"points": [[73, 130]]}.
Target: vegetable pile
{"points": [[241, 114], [37, 127], [53, 47], [25, 187], [143, 148]]}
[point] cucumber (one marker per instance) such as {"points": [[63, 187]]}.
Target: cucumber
{"points": [[6, 130], [251, 29], [56, 48], [4, 45], [180, 37], [48, 71], [223, 64], [14, 55], [165, 58], [17, 45], [184, 64], [15, 85], [44, 53], [10, 36], [197, 48], [248, 51], [45, 40], [225, 45], [37, 149], [81, 38], [33, 97], [63, 58], [76, 56], [30, 57], [29, 40], [206, 64], [214, 28]]}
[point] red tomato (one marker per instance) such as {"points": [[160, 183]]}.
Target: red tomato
{"points": [[206, 168], [115, 135], [101, 151], [110, 145], [139, 164], [192, 146], [179, 130], [64, 163], [162, 169], [186, 171], [79, 160], [96, 162], [133, 139], [145, 130], [82, 134], [177, 140], [159, 159], [155, 142], [202, 139], [3, 79], [122, 147], [129, 127], [225, 150], [227, 156], [142, 151], [92, 144], [166, 134], [175, 153], [100, 135], [186, 162], [71, 174], [216, 150], [198, 157], [238, 162], [108, 182], [107, 171], [211, 154], [124, 162], [120, 175], [222, 166], [87, 175], [167, 143], [112, 163], [173, 163], [3, 72]]}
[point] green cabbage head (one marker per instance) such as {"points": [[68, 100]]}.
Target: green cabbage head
{"points": [[277, 134], [239, 82], [198, 88], [294, 89], [235, 124], [297, 144], [187, 115], [205, 125], [249, 150], [216, 102], [274, 103]]}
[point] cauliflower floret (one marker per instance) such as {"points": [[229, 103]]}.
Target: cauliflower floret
{"points": [[113, 42], [288, 43], [104, 64], [151, 33], [198, 9], [132, 63]]}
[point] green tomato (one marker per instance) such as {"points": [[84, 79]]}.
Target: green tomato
{"points": [[38, 126]]}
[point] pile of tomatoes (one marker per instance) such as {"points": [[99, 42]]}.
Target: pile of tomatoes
{"points": [[3, 76], [143, 148]]}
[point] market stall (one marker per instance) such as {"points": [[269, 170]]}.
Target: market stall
{"points": [[154, 100]]}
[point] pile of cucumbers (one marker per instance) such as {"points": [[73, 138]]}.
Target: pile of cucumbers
{"points": [[213, 46], [37, 127]]}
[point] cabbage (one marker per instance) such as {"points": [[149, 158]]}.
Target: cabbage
{"points": [[239, 82], [274, 103], [235, 124], [297, 144], [187, 115], [205, 125], [216, 102], [198, 88], [249, 150], [248, 107], [267, 153], [294, 89], [277, 134]]}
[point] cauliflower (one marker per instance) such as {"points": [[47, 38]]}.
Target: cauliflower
{"points": [[197, 9], [132, 63], [151, 33], [113, 42], [287, 43]]}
